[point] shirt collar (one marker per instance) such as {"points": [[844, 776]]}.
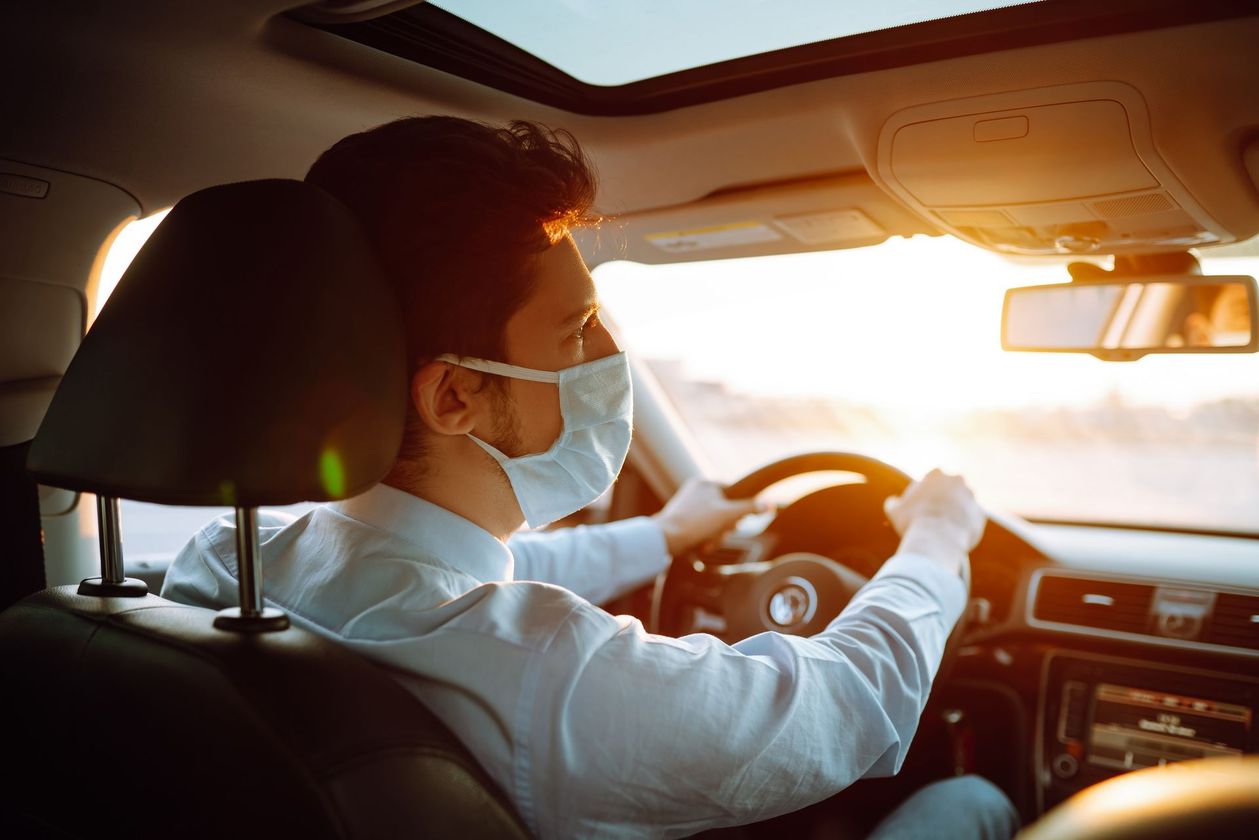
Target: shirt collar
{"points": [[442, 534]]}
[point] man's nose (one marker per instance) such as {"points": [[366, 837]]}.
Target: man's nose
{"points": [[601, 343]]}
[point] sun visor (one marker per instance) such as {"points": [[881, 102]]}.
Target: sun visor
{"points": [[815, 214], [52, 224], [252, 354], [1069, 169], [40, 326]]}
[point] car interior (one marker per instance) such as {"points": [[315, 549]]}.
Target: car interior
{"points": [[841, 246]]}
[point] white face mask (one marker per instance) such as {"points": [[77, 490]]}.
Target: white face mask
{"points": [[597, 408]]}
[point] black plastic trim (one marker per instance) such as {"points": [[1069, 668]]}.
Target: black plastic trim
{"points": [[435, 38], [125, 588]]}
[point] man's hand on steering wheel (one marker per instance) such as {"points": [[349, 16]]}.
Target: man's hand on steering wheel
{"points": [[698, 512], [937, 518], [792, 577]]}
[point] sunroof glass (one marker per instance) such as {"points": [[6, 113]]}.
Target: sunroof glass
{"points": [[606, 42]]}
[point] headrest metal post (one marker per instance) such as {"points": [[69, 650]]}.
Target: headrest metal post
{"points": [[248, 563], [113, 581], [109, 530], [251, 616]]}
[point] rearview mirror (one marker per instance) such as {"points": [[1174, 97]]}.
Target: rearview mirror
{"points": [[1127, 319]]}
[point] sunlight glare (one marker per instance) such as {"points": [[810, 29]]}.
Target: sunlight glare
{"points": [[911, 326], [894, 351], [121, 252]]}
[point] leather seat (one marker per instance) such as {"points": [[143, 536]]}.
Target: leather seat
{"points": [[137, 717], [251, 355]]}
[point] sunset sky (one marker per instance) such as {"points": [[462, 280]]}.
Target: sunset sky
{"points": [[906, 324]]}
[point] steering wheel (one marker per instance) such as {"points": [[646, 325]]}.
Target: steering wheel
{"points": [[801, 571]]}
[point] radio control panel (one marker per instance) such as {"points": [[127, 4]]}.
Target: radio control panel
{"points": [[1101, 716]]}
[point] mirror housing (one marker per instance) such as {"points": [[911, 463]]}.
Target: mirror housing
{"points": [[1123, 319]]}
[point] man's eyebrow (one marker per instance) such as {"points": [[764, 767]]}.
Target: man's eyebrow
{"points": [[580, 315]]}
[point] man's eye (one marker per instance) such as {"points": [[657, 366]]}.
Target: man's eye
{"points": [[591, 323]]}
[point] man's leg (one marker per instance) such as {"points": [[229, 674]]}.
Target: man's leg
{"points": [[964, 807]]}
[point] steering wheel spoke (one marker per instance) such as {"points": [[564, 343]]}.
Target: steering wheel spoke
{"points": [[699, 583]]}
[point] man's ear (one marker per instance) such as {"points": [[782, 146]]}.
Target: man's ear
{"points": [[447, 397]]}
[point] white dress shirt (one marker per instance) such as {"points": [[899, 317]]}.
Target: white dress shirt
{"points": [[591, 725]]}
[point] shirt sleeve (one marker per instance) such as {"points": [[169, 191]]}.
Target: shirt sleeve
{"points": [[597, 562], [202, 575], [691, 733]]}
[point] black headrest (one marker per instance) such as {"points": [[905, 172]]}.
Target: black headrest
{"points": [[252, 354]]}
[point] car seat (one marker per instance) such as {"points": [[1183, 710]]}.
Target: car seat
{"points": [[252, 355]]}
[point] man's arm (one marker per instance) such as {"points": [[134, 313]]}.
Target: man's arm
{"points": [[601, 562], [687, 734], [597, 562], [691, 733]]}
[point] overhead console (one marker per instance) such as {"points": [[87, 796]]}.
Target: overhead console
{"points": [[1069, 169]]}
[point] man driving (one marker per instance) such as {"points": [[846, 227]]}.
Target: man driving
{"points": [[521, 412]]}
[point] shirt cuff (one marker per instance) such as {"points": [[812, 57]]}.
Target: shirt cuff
{"points": [[945, 586]]}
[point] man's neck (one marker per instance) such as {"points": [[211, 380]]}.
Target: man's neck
{"points": [[479, 492]]}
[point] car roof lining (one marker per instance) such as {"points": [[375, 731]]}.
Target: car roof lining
{"points": [[294, 90]]}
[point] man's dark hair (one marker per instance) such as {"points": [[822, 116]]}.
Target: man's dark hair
{"points": [[458, 211]]}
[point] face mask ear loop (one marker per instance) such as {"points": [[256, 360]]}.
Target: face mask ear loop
{"points": [[549, 377]]}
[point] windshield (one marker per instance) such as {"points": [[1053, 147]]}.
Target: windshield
{"points": [[894, 351]]}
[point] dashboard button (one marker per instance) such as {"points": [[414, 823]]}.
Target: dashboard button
{"points": [[1065, 766]]}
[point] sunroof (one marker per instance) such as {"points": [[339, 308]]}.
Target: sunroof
{"points": [[629, 57], [608, 43]]}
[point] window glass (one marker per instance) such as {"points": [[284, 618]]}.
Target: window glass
{"points": [[121, 252], [894, 351], [606, 43], [154, 534]]}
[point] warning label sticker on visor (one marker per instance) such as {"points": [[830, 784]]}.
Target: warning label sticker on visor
{"points": [[716, 236]]}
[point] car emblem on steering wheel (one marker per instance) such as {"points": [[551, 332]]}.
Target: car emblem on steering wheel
{"points": [[793, 603]]}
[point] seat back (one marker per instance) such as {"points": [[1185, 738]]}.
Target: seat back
{"points": [[252, 354], [137, 717]]}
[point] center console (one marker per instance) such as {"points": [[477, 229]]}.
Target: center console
{"points": [[1101, 716]]}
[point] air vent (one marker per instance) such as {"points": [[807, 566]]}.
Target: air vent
{"points": [[1235, 621], [1104, 604]]}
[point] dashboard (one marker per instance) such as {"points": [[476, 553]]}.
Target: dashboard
{"points": [[1089, 652], [1132, 648]]}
